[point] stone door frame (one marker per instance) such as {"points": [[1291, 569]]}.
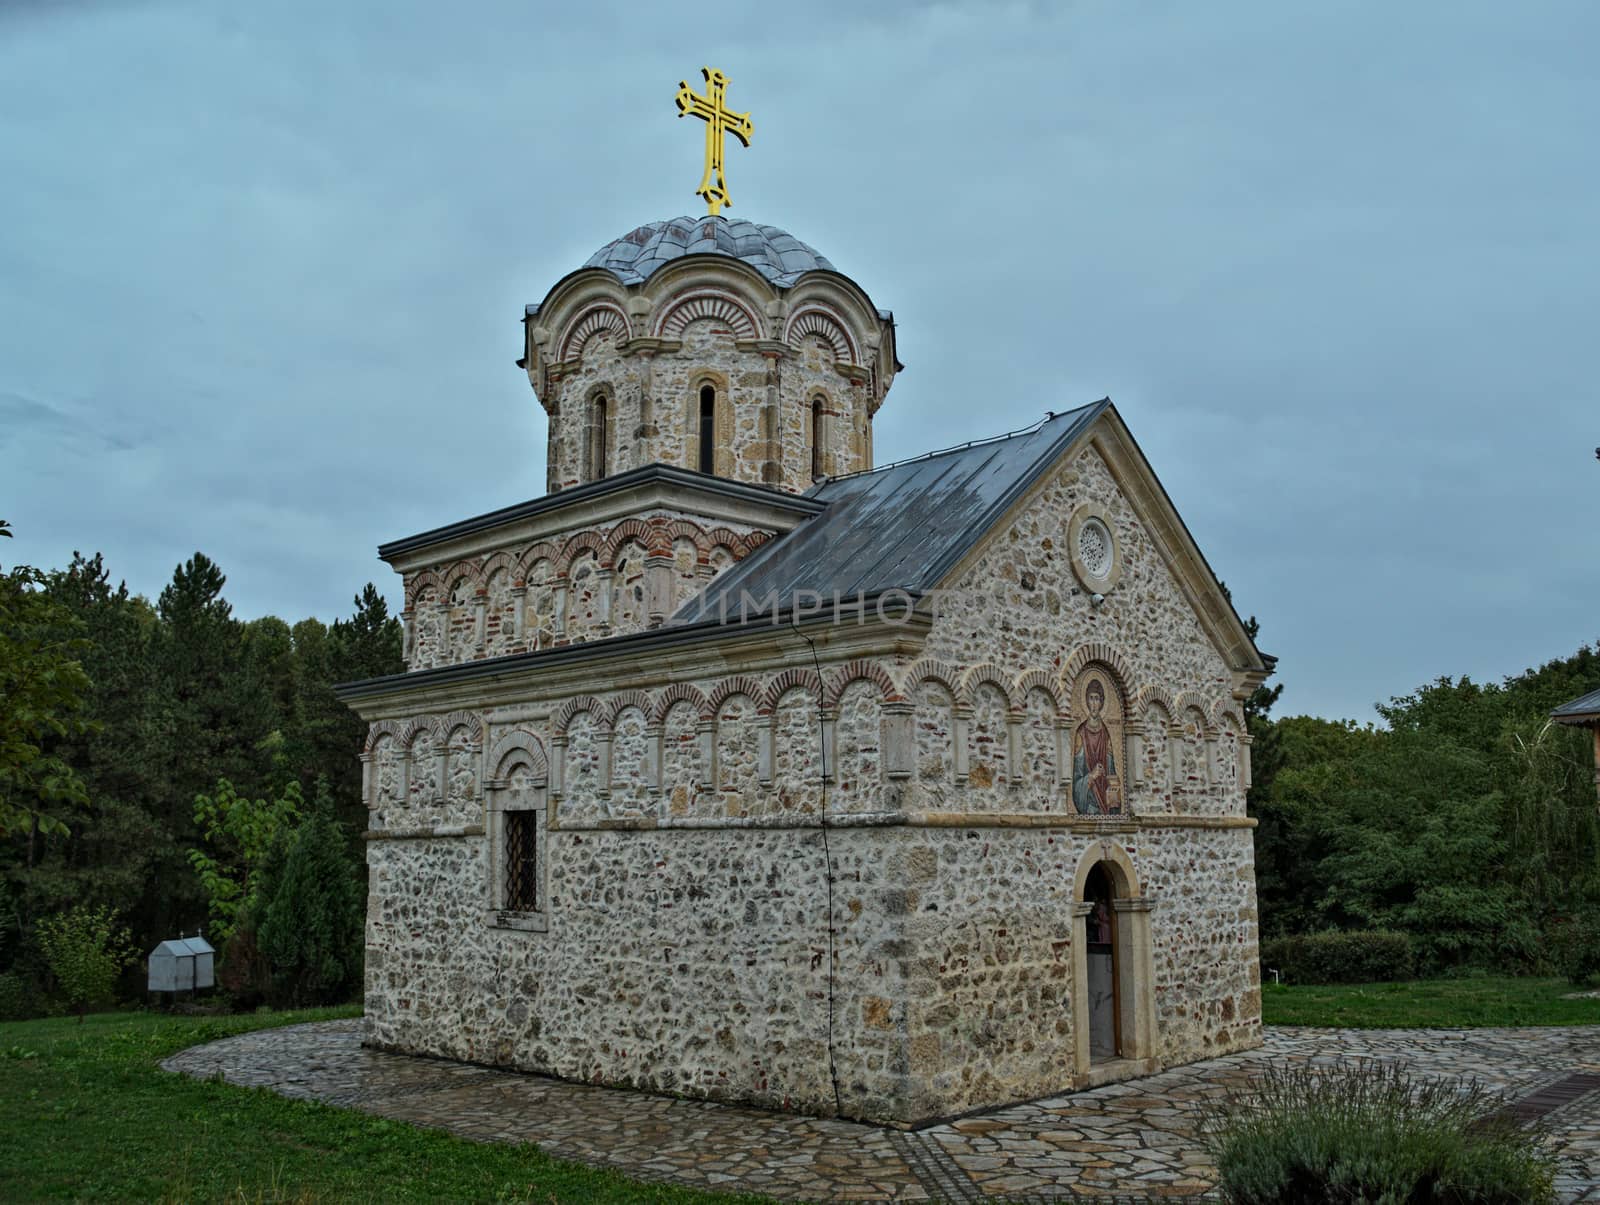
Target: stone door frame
{"points": [[1133, 965]]}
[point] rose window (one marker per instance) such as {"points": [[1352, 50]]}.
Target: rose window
{"points": [[1094, 548]]}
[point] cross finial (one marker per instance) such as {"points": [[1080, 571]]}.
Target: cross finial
{"points": [[719, 120]]}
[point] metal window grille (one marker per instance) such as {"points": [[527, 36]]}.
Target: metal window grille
{"points": [[522, 861]]}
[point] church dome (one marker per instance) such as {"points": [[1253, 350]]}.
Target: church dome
{"points": [[776, 254]]}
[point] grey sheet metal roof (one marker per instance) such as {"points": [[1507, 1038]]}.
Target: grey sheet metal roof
{"points": [[899, 527], [765, 495], [1583, 707], [184, 947], [776, 254]]}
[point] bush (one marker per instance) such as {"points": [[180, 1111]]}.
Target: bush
{"points": [[1370, 1133], [85, 950], [20, 999], [1575, 949], [244, 975], [1364, 956]]}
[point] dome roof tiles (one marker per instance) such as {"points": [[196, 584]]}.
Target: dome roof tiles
{"points": [[775, 253]]}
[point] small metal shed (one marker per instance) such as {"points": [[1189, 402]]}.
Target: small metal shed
{"points": [[182, 965]]}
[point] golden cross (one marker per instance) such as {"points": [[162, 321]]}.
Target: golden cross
{"points": [[710, 109]]}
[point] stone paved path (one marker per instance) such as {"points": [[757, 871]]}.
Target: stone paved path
{"points": [[1130, 1138]]}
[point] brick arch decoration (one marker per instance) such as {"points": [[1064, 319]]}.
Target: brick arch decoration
{"points": [[1037, 679], [519, 745], [986, 673], [734, 541], [393, 729], [592, 541], [739, 684], [680, 692], [1158, 695], [629, 698], [1107, 656], [1189, 701], [604, 317], [544, 550], [497, 561], [629, 529], [682, 529], [814, 319], [469, 571], [565, 714], [720, 306], [791, 679], [1228, 713], [930, 670], [1160, 704], [409, 734], [422, 580], [859, 671], [444, 725]]}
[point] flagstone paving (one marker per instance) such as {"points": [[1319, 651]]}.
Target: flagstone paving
{"points": [[1134, 1138]]}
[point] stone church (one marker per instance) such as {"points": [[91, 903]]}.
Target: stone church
{"points": [[735, 767]]}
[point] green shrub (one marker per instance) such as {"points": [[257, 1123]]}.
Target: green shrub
{"points": [[1360, 956], [1368, 1132], [1575, 949], [20, 998], [85, 950]]}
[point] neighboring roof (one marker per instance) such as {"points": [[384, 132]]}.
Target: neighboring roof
{"points": [[774, 253], [1586, 707], [183, 947], [766, 495], [900, 527]]}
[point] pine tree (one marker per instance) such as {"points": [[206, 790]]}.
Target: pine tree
{"points": [[311, 928]]}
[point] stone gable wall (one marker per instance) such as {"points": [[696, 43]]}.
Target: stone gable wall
{"points": [[1019, 609]]}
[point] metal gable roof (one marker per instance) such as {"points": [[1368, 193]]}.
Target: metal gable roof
{"points": [[899, 527], [1584, 705]]}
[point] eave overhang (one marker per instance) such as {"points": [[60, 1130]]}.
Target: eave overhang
{"points": [[626, 494], [640, 659]]}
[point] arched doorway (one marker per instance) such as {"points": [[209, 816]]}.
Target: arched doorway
{"points": [[1113, 994], [1100, 949]]}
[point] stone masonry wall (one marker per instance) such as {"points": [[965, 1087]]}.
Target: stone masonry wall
{"points": [[582, 584], [683, 943], [687, 961], [988, 1011], [652, 400]]}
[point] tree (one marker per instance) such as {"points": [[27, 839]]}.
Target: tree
{"points": [[241, 833], [43, 691], [311, 928], [85, 950]]}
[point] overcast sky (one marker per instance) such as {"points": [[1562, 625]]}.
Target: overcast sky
{"points": [[264, 268]]}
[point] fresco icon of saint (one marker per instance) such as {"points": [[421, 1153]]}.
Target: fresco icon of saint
{"points": [[1097, 755]]}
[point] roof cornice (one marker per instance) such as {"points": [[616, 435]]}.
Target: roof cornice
{"points": [[653, 484], [641, 658]]}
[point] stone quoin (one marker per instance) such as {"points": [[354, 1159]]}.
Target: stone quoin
{"points": [[671, 795]]}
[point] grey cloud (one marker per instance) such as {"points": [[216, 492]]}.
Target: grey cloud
{"points": [[1335, 266]]}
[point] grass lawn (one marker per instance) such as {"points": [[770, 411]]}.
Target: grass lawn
{"points": [[85, 1114], [1442, 1003]]}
